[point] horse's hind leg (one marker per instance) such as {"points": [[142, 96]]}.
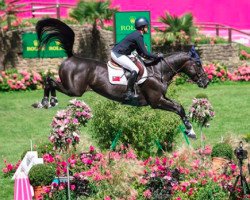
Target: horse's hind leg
{"points": [[169, 105], [45, 101]]}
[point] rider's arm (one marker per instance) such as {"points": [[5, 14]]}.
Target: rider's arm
{"points": [[142, 49]]}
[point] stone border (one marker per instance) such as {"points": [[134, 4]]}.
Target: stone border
{"points": [[96, 45]]}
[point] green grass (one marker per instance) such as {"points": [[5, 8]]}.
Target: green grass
{"points": [[20, 123], [231, 104]]}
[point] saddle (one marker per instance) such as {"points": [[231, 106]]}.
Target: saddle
{"points": [[118, 74]]}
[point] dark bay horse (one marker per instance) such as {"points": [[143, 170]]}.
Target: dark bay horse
{"points": [[78, 74]]}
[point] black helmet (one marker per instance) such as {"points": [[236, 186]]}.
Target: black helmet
{"points": [[140, 22]]}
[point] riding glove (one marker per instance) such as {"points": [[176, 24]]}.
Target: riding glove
{"points": [[160, 55]]}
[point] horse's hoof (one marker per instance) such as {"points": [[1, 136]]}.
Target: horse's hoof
{"points": [[53, 102], [37, 105], [191, 134]]}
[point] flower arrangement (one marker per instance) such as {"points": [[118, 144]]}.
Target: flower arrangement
{"points": [[66, 124], [24, 80], [222, 150], [216, 73], [244, 55], [241, 74], [183, 174], [9, 168], [201, 112], [42, 174]]}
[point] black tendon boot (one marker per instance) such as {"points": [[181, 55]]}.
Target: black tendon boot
{"points": [[53, 101], [131, 82]]}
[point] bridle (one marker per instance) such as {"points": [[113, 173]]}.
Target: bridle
{"points": [[195, 62], [199, 75]]}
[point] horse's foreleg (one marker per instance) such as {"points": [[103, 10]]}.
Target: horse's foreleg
{"points": [[169, 105]]}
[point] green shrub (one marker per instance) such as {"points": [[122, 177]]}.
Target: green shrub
{"points": [[43, 148], [142, 127], [222, 150], [201, 96], [211, 190], [246, 137], [42, 174]]}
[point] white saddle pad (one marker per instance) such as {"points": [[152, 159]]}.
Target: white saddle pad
{"points": [[117, 75]]}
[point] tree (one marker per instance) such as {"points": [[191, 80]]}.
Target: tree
{"points": [[92, 12], [179, 29]]}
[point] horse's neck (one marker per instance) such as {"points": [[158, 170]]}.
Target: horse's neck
{"points": [[173, 66]]}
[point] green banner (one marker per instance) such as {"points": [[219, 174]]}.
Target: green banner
{"points": [[30, 48], [125, 24]]}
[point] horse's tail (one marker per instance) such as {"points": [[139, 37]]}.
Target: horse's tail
{"points": [[54, 29]]}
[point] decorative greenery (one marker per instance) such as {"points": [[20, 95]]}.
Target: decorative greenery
{"points": [[201, 96], [10, 169], [42, 174], [223, 150], [246, 137], [66, 125], [159, 186], [201, 112], [11, 79], [211, 191], [83, 187], [217, 73], [204, 39], [59, 192], [92, 12], [179, 29], [45, 148], [140, 127], [244, 52]]}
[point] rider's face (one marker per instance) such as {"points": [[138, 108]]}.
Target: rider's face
{"points": [[145, 29]]}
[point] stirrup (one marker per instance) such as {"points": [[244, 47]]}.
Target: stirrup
{"points": [[130, 96]]}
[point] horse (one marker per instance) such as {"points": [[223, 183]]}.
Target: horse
{"points": [[78, 74]]}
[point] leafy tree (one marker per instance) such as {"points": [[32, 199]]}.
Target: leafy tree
{"points": [[2, 4], [92, 12], [179, 29]]}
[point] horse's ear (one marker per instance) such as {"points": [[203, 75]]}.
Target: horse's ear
{"points": [[193, 54]]}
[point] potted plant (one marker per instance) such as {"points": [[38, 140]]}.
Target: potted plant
{"points": [[222, 154], [41, 175]]}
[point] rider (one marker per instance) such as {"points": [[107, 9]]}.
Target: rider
{"points": [[133, 41]]}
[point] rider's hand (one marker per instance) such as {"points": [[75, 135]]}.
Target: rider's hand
{"points": [[160, 56]]}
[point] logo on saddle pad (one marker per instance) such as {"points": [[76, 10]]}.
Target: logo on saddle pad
{"points": [[117, 74]]}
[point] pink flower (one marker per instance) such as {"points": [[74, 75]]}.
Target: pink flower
{"points": [[72, 187], [210, 77], [48, 158], [147, 194], [69, 140], [143, 181], [233, 167], [130, 155], [87, 161], [219, 74], [107, 198], [91, 149]]}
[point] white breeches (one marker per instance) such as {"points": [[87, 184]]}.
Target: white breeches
{"points": [[124, 61]]}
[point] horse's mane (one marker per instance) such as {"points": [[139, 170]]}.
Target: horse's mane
{"points": [[177, 57]]}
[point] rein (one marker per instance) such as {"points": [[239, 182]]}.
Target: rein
{"points": [[172, 69]]}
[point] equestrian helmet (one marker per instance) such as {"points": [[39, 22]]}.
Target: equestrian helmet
{"points": [[141, 22]]}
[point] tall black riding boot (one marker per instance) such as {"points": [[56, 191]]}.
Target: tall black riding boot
{"points": [[131, 82]]}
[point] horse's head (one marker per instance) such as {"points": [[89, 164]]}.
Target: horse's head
{"points": [[193, 68]]}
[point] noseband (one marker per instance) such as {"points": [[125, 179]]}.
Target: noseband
{"points": [[199, 75]]}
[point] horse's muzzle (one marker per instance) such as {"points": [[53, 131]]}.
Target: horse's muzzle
{"points": [[203, 82]]}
